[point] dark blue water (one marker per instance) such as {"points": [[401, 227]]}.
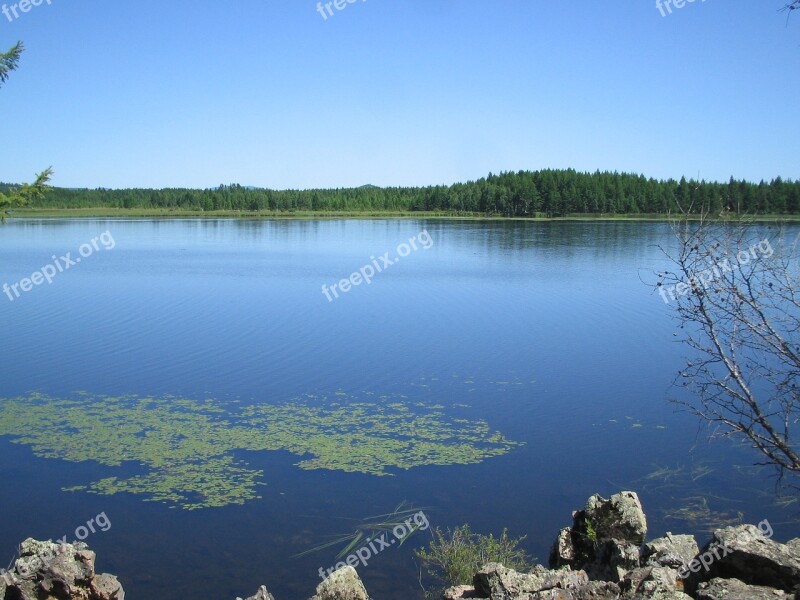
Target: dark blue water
{"points": [[545, 330]]}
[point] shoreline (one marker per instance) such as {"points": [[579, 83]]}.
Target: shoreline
{"points": [[123, 213], [604, 555]]}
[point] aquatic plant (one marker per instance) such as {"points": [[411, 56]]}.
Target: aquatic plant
{"points": [[371, 528], [182, 451], [699, 515], [664, 473], [699, 471]]}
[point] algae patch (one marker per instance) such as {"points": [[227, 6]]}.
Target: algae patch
{"points": [[183, 450]]}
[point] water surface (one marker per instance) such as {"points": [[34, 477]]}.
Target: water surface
{"points": [[547, 331]]}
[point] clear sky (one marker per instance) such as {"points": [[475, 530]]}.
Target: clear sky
{"points": [[180, 93]]}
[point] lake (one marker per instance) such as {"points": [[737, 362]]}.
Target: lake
{"points": [[503, 372]]}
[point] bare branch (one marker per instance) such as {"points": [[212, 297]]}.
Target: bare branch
{"points": [[734, 289]]}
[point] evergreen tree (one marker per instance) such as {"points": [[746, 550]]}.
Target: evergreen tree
{"points": [[9, 61], [16, 196]]}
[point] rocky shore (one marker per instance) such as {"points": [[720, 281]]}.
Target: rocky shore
{"points": [[604, 555], [50, 571]]}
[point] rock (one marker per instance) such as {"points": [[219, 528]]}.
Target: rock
{"points": [[673, 551], [460, 592], [496, 581], [620, 518], [107, 586], [661, 595], [734, 589], [563, 551], [744, 553], [594, 590], [343, 584], [604, 539], [612, 559], [659, 583], [261, 594], [603, 560], [499, 583], [58, 571]]}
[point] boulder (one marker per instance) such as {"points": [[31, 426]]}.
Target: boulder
{"points": [[563, 550], [734, 589], [343, 584], [612, 559], [593, 590], [660, 583], [460, 592], [673, 551], [744, 553], [58, 572], [261, 594], [107, 586], [621, 517], [496, 581], [604, 539]]}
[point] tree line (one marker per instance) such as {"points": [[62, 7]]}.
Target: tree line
{"points": [[545, 193]]}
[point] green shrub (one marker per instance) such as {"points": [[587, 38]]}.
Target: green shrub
{"points": [[453, 557], [590, 532]]}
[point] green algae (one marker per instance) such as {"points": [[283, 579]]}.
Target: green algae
{"points": [[183, 451]]}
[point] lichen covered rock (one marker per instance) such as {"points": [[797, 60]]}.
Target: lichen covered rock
{"points": [[58, 572]]}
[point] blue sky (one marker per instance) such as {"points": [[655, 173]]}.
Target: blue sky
{"points": [[196, 93]]}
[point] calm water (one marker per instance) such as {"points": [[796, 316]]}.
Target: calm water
{"points": [[547, 331]]}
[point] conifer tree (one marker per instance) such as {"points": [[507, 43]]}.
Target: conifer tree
{"points": [[27, 192]]}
